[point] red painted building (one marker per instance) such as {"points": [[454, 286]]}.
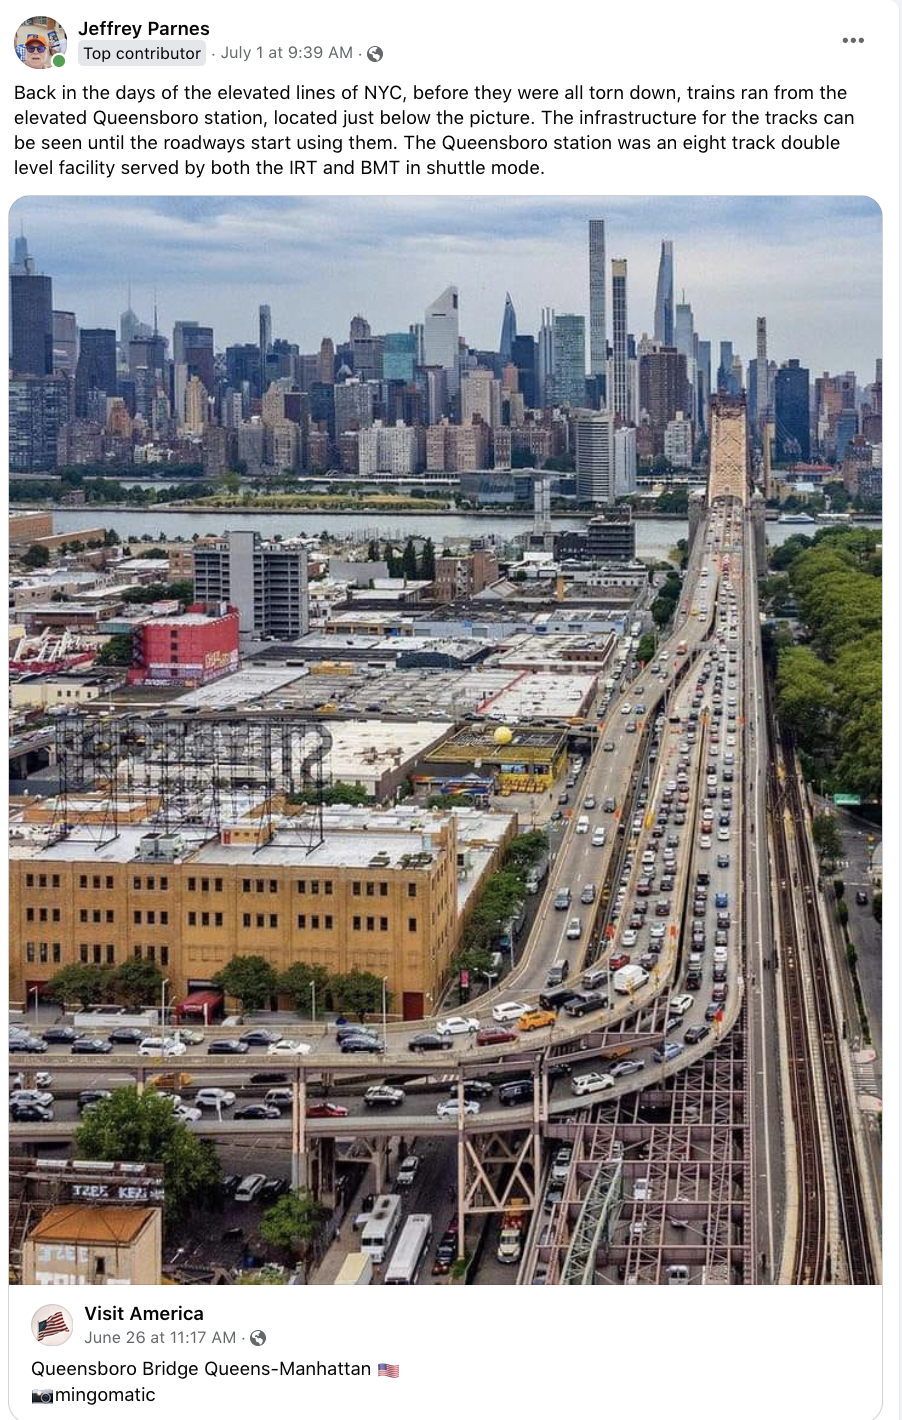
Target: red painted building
{"points": [[188, 650]]}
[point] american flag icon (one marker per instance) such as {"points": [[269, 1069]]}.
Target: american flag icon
{"points": [[53, 1325], [391, 1372]]}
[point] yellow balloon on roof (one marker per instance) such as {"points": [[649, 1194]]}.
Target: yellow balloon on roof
{"points": [[503, 735]]}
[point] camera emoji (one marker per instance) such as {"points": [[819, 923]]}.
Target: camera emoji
{"points": [[42, 1397]]}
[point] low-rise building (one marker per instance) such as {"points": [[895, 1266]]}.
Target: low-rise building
{"points": [[85, 1245]]}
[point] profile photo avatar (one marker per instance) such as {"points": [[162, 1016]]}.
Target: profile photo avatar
{"points": [[40, 42], [51, 1325]]}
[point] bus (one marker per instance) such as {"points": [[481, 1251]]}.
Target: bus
{"points": [[381, 1226], [405, 1263]]}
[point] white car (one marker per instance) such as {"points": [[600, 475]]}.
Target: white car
{"points": [[679, 1005], [574, 929], [187, 1113], [456, 1025], [213, 1098], [656, 931], [508, 1011], [626, 709], [448, 1108], [582, 824], [599, 838], [723, 836], [705, 840], [154, 1046], [591, 1084], [629, 938], [42, 1097], [289, 1047], [720, 953]]}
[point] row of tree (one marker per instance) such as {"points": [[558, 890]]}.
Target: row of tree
{"points": [[829, 691], [501, 898], [407, 564]]}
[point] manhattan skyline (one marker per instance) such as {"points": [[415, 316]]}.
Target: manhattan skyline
{"points": [[811, 265]]}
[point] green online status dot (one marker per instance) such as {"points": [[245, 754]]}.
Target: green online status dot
{"points": [[59, 60]]}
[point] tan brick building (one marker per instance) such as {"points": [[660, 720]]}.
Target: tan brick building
{"points": [[79, 1245], [382, 893]]}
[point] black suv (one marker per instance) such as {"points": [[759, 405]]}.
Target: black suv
{"points": [[516, 1092], [429, 1041]]}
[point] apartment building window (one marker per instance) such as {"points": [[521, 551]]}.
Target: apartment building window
{"points": [[327, 887], [55, 880], [151, 883], [42, 953], [245, 919], [151, 953], [29, 951], [192, 919], [259, 919], [29, 879], [42, 914], [57, 952], [411, 924], [355, 889], [302, 920], [205, 884], [327, 921], [138, 953], [273, 919], [96, 954], [411, 889], [164, 884], [258, 885], [82, 880], [95, 915], [55, 915], [42, 880], [245, 884], [383, 889], [205, 919], [192, 884], [95, 882], [136, 884], [109, 884], [136, 918], [82, 952], [164, 919], [217, 884], [383, 924], [371, 889], [274, 885], [314, 922], [371, 924], [164, 956], [302, 885], [110, 954], [217, 918], [356, 924], [29, 914]]}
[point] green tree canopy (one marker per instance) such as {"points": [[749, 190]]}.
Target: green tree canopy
{"points": [[137, 983], [142, 1129], [827, 837], [295, 982], [293, 1223], [82, 984], [359, 993], [36, 556], [116, 652], [250, 979]]}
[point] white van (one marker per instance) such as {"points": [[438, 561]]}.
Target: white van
{"points": [[582, 824], [250, 1187]]}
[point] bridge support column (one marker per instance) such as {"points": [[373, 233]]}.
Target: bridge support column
{"points": [[299, 1157]]}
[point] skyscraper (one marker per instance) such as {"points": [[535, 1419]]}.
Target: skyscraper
{"points": [[618, 395], [594, 437], [662, 389], [664, 333], [725, 368], [570, 360], [441, 335], [545, 391], [31, 324], [598, 331], [96, 368], [265, 323], [684, 337], [399, 356], [508, 331], [793, 436], [65, 343], [523, 356]]}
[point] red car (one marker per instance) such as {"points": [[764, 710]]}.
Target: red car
{"points": [[325, 1109], [494, 1035], [621, 959]]}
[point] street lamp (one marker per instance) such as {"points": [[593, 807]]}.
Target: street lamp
{"points": [[163, 986], [35, 991], [313, 1002], [385, 1011]]}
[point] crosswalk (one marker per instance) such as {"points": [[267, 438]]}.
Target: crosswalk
{"points": [[868, 1078]]}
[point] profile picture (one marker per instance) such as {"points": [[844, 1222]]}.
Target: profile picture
{"points": [[51, 1325], [39, 41]]}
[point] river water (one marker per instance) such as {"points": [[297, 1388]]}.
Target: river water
{"points": [[654, 537]]}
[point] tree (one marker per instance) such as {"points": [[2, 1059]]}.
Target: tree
{"points": [[842, 912], [294, 1223], [250, 979], [526, 849], [427, 561], [839, 888], [877, 906], [82, 985], [409, 560], [390, 560], [295, 982], [476, 960], [827, 837], [359, 993], [137, 1128], [36, 556], [372, 552], [111, 538], [645, 651], [137, 983], [117, 651]]}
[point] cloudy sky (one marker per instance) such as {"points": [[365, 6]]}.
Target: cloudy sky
{"points": [[811, 265]]}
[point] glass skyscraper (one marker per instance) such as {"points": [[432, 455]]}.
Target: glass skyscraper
{"points": [[570, 360], [664, 296]]}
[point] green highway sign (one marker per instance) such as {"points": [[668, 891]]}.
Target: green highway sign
{"points": [[848, 801]]}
